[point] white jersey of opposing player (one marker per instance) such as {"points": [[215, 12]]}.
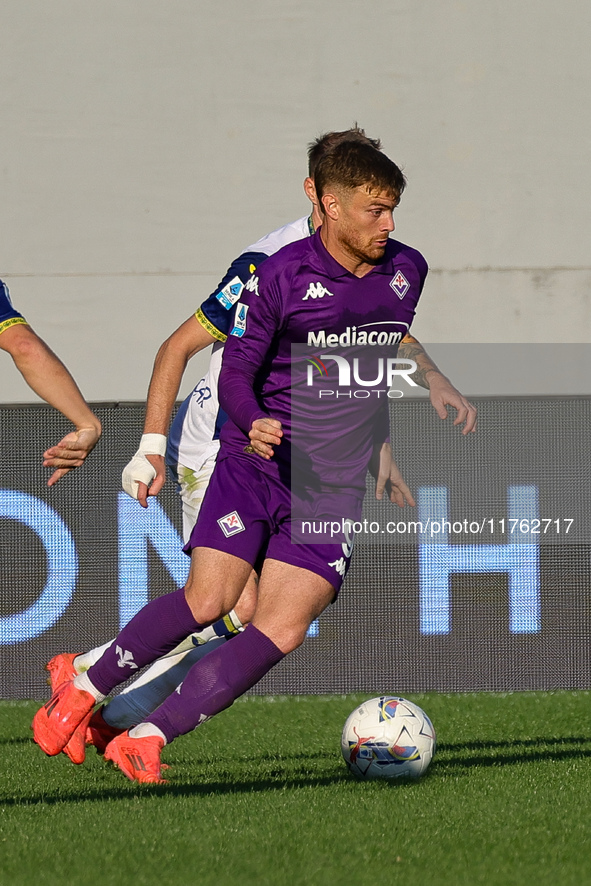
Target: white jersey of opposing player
{"points": [[194, 435]]}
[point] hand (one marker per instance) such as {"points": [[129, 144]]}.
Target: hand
{"points": [[143, 490], [264, 435], [146, 472], [390, 479], [442, 393], [70, 452], [144, 476]]}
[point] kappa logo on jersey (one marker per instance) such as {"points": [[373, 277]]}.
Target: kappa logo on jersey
{"points": [[317, 290], [125, 659], [231, 524], [252, 284], [340, 566], [239, 327], [400, 284], [230, 294]]}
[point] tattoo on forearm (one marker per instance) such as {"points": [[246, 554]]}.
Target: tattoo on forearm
{"points": [[413, 350]]}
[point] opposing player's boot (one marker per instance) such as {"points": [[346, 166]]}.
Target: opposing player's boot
{"points": [[137, 758], [94, 730], [55, 723], [99, 733], [61, 669], [76, 747]]}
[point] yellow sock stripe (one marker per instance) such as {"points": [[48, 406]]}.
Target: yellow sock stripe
{"points": [[230, 625], [209, 327], [13, 321]]}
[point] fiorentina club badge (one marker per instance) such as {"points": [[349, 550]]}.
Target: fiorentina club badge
{"points": [[400, 284], [231, 524]]}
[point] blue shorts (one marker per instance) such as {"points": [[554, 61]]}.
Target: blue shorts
{"points": [[247, 512]]}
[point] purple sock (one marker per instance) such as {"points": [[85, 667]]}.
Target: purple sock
{"points": [[216, 681], [155, 630]]}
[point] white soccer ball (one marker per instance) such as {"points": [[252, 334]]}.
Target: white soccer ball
{"points": [[388, 737]]}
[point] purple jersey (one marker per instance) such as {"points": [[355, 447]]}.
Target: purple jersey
{"points": [[303, 297]]}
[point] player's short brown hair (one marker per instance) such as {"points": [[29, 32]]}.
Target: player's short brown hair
{"points": [[330, 140], [350, 165]]}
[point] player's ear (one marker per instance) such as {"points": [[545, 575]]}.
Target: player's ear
{"points": [[310, 190], [331, 206]]}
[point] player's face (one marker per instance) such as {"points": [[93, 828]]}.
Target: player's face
{"points": [[364, 223]]}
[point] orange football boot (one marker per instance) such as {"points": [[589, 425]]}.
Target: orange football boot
{"points": [[61, 669], [76, 747], [55, 723], [99, 733], [137, 758]]}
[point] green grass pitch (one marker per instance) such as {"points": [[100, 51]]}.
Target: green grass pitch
{"points": [[260, 795]]}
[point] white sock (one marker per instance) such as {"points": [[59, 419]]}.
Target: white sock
{"points": [[200, 638], [144, 730], [235, 621], [231, 621], [82, 682], [87, 659], [139, 699]]}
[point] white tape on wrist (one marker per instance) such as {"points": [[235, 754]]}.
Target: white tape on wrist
{"points": [[140, 470], [152, 444]]}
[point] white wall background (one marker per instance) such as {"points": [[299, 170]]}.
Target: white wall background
{"points": [[145, 143]]}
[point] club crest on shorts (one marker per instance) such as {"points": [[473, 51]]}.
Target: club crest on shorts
{"points": [[400, 284], [231, 524]]}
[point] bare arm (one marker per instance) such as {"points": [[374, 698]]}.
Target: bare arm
{"points": [[47, 376], [169, 367], [441, 391]]}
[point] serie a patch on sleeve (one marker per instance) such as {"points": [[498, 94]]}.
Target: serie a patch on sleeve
{"points": [[239, 327], [229, 295]]}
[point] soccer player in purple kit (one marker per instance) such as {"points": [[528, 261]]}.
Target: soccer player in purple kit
{"points": [[247, 510], [192, 447]]}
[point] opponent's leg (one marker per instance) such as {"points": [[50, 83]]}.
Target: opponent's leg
{"points": [[139, 700], [290, 598], [192, 485], [215, 583], [66, 665], [146, 693], [149, 691]]}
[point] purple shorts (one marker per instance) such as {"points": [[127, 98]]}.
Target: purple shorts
{"points": [[247, 512]]}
